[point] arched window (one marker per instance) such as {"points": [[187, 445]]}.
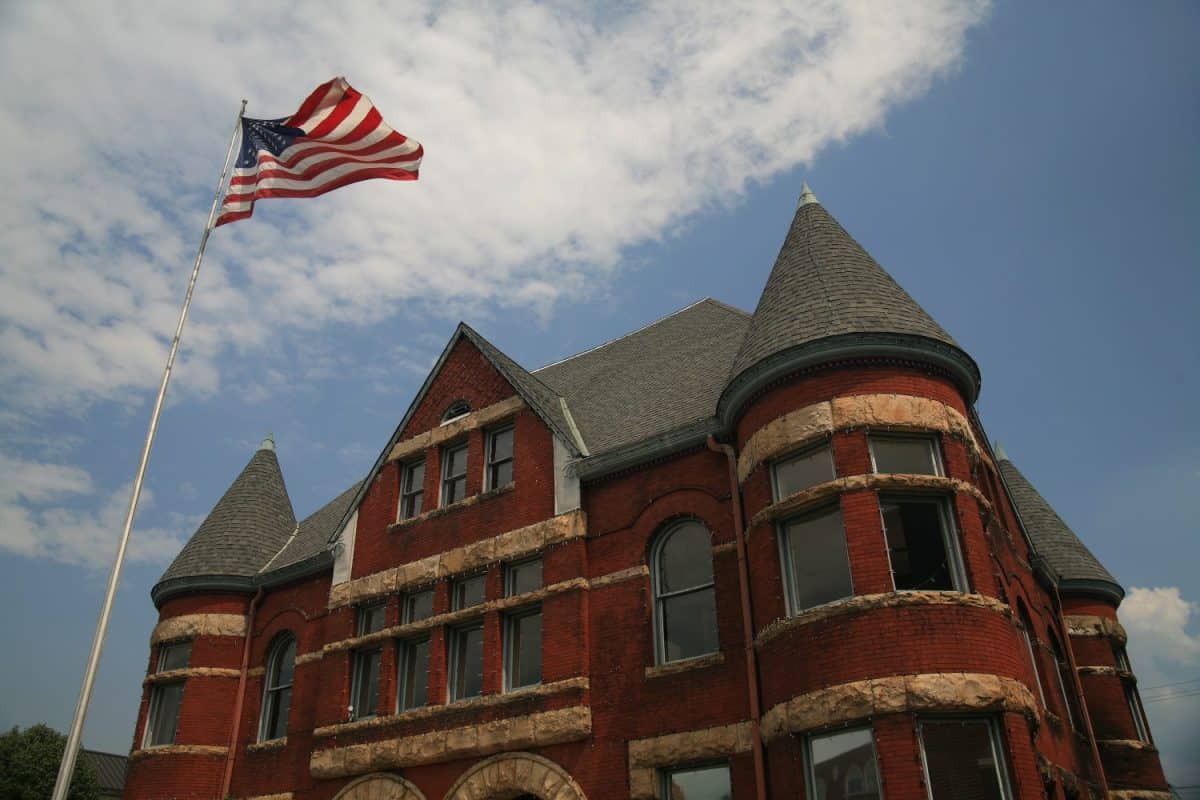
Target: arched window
{"points": [[459, 408], [685, 609], [1027, 630], [1064, 681], [277, 697]]}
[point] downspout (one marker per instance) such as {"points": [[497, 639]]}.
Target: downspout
{"points": [[241, 695], [739, 535]]}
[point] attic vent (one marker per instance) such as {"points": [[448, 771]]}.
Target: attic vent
{"points": [[459, 408]]}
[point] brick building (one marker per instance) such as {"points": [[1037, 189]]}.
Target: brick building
{"points": [[728, 555]]}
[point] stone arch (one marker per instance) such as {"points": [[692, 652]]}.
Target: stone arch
{"points": [[511, 775], [379, 786]]}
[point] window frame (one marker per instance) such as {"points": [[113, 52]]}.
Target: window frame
{"points": [[511, 621], [659, 618], [455, 411], [361, 654], [1061, 665], [459, 582], [406, 605], [810, 776], [785, 556], [931, 439], [1031, 646], [995, 739], [404, 658], [1141, 724], [510, 571], [159, 689], [407, 492], [447, 478], [665, 773], [453, 662], [271, 693], [803, 452], [490, 463], [951, 540]]}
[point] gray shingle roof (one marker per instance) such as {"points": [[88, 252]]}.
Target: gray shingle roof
{"points": [[109, 769], [1063, 551], [825, 284], [245, 529], [314, 531]]}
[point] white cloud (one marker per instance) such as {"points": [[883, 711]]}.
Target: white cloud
{"points": [[554, 140], [52, 511], [1160, 618]]}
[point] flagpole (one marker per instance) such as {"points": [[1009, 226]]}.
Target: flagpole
{"points": [[66, 769]]}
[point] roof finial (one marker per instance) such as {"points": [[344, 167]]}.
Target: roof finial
{"points": [[268, 443], [1000, 454], [806, 195]]}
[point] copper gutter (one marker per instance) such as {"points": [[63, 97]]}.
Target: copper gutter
{"points": [[739, 535], [241, 695]]}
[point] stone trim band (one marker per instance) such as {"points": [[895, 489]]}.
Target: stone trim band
{"points": [[646, 755], [515, 775], [452, 430], [190, 672], [819, 420], [189, 626], [1089, 625], [926, 692], [180, 750], [510, 733]]}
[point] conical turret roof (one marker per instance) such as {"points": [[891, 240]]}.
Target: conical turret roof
{"points": [[825, 285], [244, 530]]}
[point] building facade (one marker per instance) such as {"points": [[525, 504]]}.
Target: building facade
{"points": [[728, 555]]}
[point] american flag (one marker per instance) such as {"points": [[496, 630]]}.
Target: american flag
{"points": [[336, 138]]}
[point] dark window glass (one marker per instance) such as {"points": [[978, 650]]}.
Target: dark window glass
{"points": [[817, 564], [412, 493], [365, 695], [1065, 685], [1027, 629], [962, 760], [174, 656], [459, 408], [466, 655], [698, 783], [454, 474], [842, 765], [909, 455], [802, 471], [164, 713], [278, 697], [500, 458], [1140, 724], [523, 649], [1122, 658], [469, 591], [371, 618], [524, 577], [685, 605], [414, 674], [418, 605], [922, 549]]}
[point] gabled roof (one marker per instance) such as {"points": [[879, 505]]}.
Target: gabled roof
{"points": [[1063, 551], [245, 529], [312, 535]]}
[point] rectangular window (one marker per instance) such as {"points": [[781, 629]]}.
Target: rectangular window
{"points": [[371, 618], [698, 783], [1122, 658], [815, 560], [412, 490], [523, 649], [466, 662], [364, 689], [166, 698], [469, 591], [907, 455], [1140, 724], [454, 474], [922, 544], [523, 578], [500, 458], [800, 471], [414, 674], [418, 606], [963, 760], [843, 765]]}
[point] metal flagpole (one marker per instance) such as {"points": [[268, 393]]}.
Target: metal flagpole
{"points": [[66, 769]]}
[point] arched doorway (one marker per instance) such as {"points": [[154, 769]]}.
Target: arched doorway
{"points": [[516, 776], [381, 786]]}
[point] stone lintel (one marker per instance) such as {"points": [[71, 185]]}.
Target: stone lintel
{"points": [[190, 672], [1126, 744], [687, 665], [180, 750], [633, 573], [451, 430], [1091, 625], [1140, 794], [267, 746], [941, 692], [645, 755], [306, 658], [189, 626]]}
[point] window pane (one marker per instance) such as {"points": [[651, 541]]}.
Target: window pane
{"points": [[802, 471], [456, 462], [414, 679], [468, 663], [284, 664], [817, 559], [366, 695], [844, 763], [277, 714], [371, 618], [525, 650], [418, 605], [501, 475], [916, 543], [904, 455], [164, 716], [416, 477], [1140, 725], [469, 591], [174, 656], [1122, 658], [704, 783], [961, 760], [685, 560], [524, 577], [502, 445], [454, 490], [689, 625]]}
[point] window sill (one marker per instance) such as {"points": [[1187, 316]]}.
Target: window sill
{"points": [[267, 746], [686, 665], [466, 502]]}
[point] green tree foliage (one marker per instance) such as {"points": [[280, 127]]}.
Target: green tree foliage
{"points": [[29, 762]]}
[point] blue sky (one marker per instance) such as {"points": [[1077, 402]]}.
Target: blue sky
{"points": [[1027, 171]]}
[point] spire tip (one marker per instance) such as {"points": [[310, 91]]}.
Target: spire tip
{"points": [[268, 443], [806, 195]]}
